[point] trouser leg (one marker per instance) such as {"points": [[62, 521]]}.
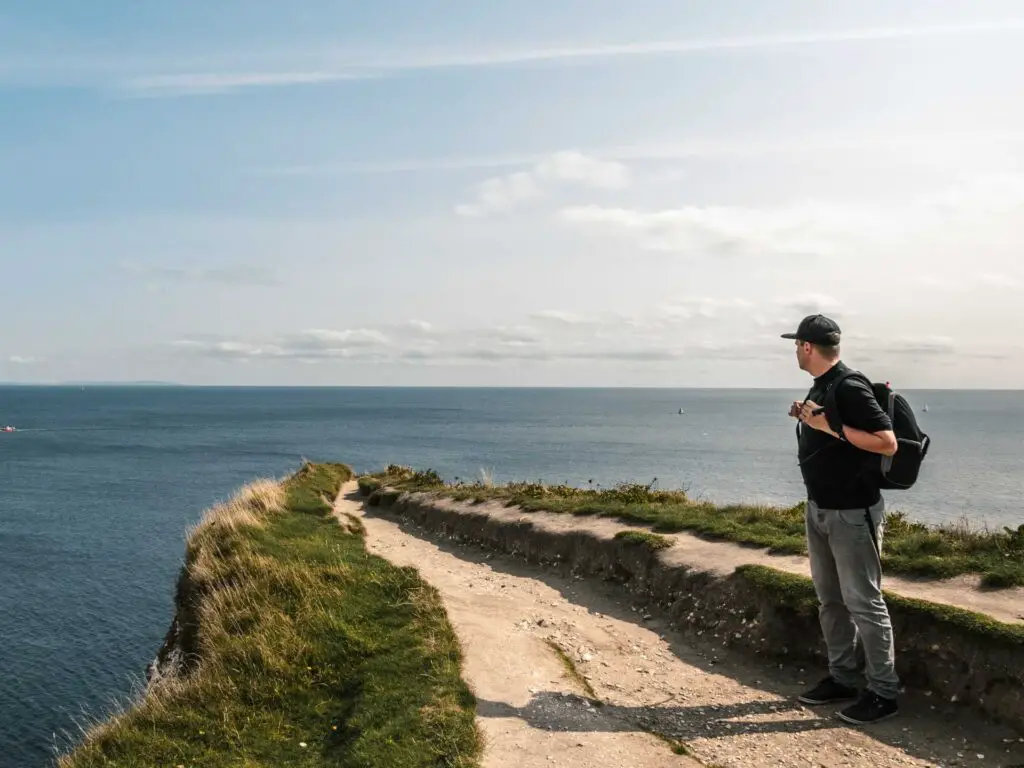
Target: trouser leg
{"points": [[836, 623], [859, 568]]}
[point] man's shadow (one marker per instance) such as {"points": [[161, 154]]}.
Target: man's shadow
{"points": [[551, 711]]}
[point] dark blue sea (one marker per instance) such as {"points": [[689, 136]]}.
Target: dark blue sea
{"points": [[100, 484]]}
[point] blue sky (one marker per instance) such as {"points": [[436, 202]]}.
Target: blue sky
{"points": [[556, 193]]}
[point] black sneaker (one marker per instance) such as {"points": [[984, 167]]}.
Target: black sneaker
{"points": [[871, 708], [828, 691]]}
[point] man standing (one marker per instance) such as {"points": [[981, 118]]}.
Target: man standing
{"points": [[845, 522]]}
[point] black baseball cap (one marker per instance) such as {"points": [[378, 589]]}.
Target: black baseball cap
{"points": [[816, 329]]}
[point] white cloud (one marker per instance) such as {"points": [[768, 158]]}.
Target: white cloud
{"points": [[504, 193], [504, 346], [567, 338], [578, 168], [729, 231], [942, 143], [214, 83], [348, 67], [559, 317], [308, 345], [23, 359], [420, 326], [319, 338], [219, 349], [663, 337], [982, 212], [665, 317], [918, 345], [516, 334], [661, 318], [812, 304], [501, 194], [704, 306], [784, 313]]}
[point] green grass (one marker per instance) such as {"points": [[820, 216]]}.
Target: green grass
{"points": [[910, 548], [643, 538], [570, 669], [304, 639], [797, 592], [678, 747], [368, 485]]}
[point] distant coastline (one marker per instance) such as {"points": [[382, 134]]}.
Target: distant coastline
{"points": [[494, 387], [91, 384]]}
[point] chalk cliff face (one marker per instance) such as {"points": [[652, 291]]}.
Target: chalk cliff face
{"points": [[178, 654]]}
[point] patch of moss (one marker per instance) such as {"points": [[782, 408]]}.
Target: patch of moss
{"points": [[786, 589], [644, 538], [798, 592], [976, 624], [368, 485]]}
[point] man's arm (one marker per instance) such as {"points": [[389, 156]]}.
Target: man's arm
{"points": [[883, 442], [858, 406]]}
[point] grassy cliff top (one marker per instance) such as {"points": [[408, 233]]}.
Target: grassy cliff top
{"points": [[308, 650], [910, 548]]}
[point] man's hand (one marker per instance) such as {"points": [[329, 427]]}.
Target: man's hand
{"points": [[818, 422], [884, 442]]}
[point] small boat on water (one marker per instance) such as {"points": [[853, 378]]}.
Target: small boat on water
{"points": [[925, 409], [8, 428], [681, 411]]}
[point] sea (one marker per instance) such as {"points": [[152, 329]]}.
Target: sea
{"points": [[99, 483]]}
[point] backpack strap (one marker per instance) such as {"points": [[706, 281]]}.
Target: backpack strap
{"points": [[831, 405], [832, 410]]}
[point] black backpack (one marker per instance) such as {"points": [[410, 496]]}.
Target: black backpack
{"points": [[899, 471]]}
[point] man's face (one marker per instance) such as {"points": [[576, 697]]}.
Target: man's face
{"points": [[803, 354]]}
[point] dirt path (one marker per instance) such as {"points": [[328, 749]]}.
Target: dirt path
{"points": [[722, 557], [728, 711]]}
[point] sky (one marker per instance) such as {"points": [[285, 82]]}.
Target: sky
{"points": [[556, 193]]}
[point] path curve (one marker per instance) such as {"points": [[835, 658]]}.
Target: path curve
{"points": [[728, 711]]}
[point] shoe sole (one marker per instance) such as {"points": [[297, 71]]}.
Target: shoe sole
{"points": [[852, 721], [819, 702]]}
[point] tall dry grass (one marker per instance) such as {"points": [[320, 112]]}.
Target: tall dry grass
{"points": [[308, 649], [249, 506]]}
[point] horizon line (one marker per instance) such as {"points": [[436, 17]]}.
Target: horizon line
{"points": [[176, 385]]}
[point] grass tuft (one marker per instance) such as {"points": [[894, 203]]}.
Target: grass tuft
{"points": [[311, 651], [651, 540], [797, 592], [368, 485], [573, 672]]}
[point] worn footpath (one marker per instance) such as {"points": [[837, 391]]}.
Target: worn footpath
{"points": [[568, 672]]}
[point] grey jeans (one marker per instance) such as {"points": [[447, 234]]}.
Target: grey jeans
{"points": [[847, 572]]}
